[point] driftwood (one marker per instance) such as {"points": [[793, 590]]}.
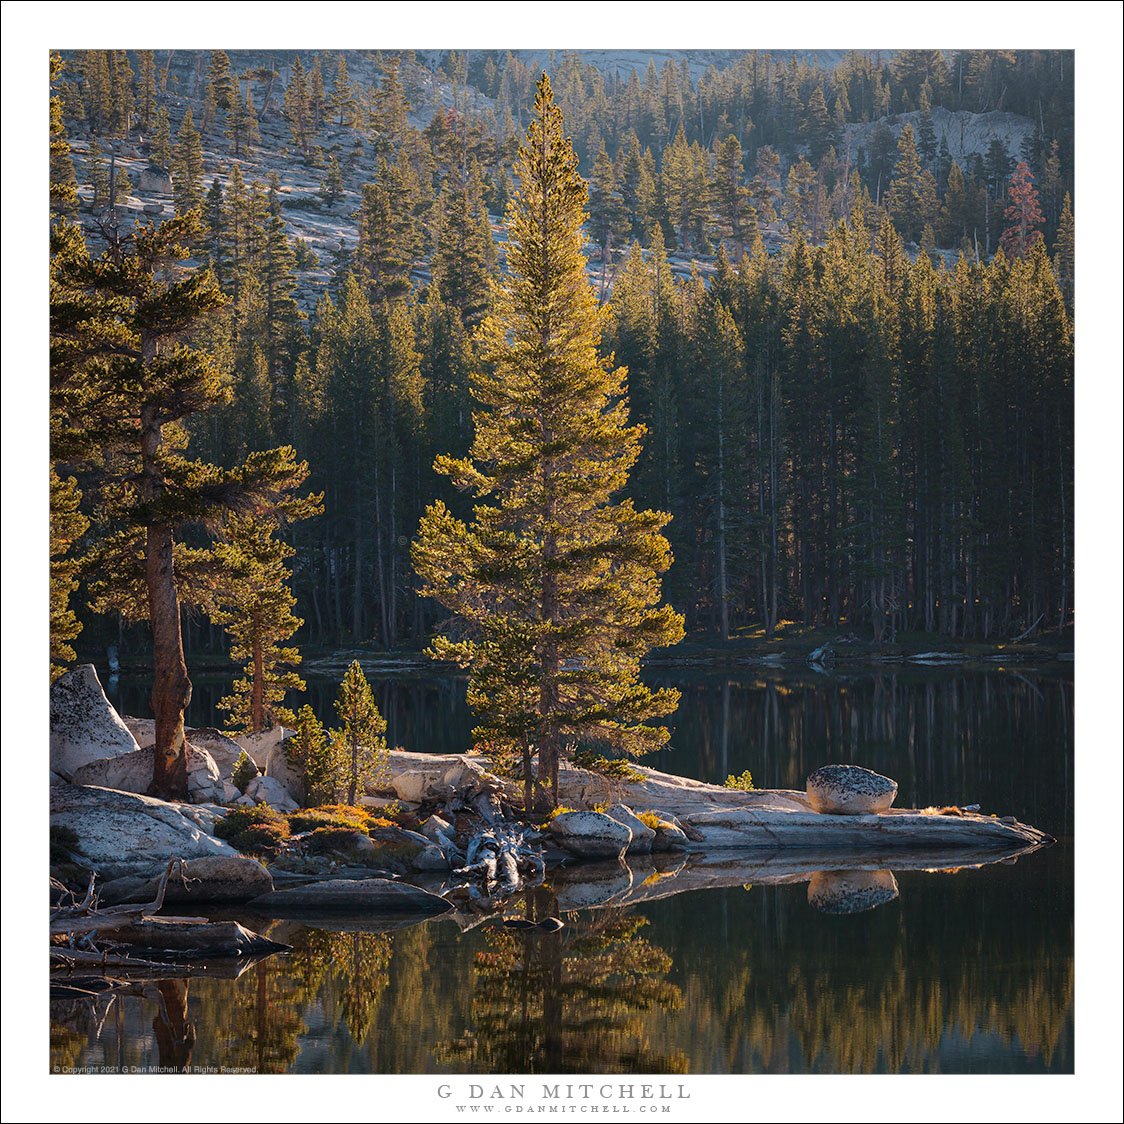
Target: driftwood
{"points": [[499, 856], [77, 957], [1024, 635], [130, 926]]}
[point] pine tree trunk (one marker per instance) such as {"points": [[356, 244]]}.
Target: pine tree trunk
{"points": [[258, 697], [392, 599], [548, 688], [354, 782], [171, 688]]}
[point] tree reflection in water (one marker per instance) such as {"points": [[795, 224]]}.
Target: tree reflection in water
{"points": [[573, 1001], [175, 1036]]}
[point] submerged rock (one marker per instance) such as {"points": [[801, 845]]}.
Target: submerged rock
{"points": [[84, 726], [219, 878], [850, 790], [372, 895]]}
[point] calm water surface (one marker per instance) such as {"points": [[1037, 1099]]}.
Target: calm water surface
{"points": [[966, 972]]}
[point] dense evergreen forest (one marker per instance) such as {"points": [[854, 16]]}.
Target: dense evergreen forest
{"points": [[843, 296]]}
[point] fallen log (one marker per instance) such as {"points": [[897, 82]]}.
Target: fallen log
{"points": [[126, 926]]}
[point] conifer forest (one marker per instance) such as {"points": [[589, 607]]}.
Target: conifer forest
{"points": [[563, 562], [840, 288]]}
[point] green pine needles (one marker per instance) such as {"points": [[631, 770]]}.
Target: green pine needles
{"points": [[360, 743], [255, 606], [555, 586], [125, 379], [347, 760]]}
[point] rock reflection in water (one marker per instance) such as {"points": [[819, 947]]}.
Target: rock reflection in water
{"points": [[971, 973], [851, 891]]}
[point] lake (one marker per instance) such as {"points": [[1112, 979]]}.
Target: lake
{"points": [[962, 972]]}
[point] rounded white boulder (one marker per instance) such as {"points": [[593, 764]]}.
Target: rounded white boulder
{"points": [[850, 790]]}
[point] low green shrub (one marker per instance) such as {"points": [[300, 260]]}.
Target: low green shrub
{"points": [[260, 839], [744, 782], [244, 771], [349, 816], [330, 816], [238, 819], [260, 830]]}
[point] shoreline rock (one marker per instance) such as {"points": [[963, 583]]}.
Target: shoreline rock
{"points": [[714, 817], [84, 726], [132, 772], [125, 833], [590, 835]]}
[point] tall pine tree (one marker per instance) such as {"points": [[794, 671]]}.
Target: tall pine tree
{"points": [[559, 586]]}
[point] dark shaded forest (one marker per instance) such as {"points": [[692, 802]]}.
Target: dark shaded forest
{"points": [[848, 329]]}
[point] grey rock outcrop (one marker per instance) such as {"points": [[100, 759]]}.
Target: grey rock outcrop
{"points": [[413, 785], [442, 778], [122, 833], [438, 830], [156, 179], [850, 790], [269, 790], [223, 750], [669, 837], [268, 752], [84, 726], [643, 837], [590, 835], [218, 878], [132, 772], [431, 858]]}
